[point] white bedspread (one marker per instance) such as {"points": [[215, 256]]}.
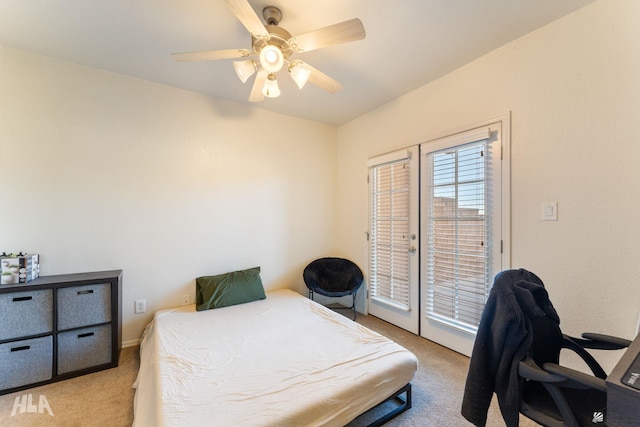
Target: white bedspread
{"points": [[281, 361]]}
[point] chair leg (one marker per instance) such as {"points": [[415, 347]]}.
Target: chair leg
{"points": [[354, 306]]}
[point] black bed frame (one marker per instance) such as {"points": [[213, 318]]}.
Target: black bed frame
{"points": [[404, 404]]}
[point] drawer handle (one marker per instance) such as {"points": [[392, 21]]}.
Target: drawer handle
{"points": [[17, 299], [88, 334], [24, 347], [88, 291]]}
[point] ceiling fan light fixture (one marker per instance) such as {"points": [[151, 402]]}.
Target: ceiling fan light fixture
{"points": [[271, 89], [244, 69], [272, 46], [271, 58], [299, 73]]}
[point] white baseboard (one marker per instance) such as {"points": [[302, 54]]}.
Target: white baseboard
{"points": [[131, 343]]}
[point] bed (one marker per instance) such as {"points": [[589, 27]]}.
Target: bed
{"points": [[279, 361]]}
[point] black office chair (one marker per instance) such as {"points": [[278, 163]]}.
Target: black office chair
{"points": [[554, 395], [333, 277], [532, 382]]}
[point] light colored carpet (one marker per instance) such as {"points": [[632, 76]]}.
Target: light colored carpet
{"points": [[101, 399], [106, 398], [437, 387]]}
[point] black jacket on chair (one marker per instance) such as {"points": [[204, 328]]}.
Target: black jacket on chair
{"points": [[517, 298]]}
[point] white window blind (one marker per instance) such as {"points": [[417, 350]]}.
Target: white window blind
{"points": [[458, 245], [389, 234]]}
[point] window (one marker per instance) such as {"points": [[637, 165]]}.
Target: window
{"points": [[458, 255]]}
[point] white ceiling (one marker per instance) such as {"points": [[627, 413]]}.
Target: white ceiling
{"points": [[408, 43]]}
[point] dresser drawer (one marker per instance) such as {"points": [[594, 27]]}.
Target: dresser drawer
{"points": [[84, 348], [26, 362], [26, 313], [84, 305]]}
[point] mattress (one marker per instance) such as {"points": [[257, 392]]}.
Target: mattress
{"points": [[281, 361]]}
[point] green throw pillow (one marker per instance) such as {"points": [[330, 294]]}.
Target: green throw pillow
{"points": [[226, 289]]}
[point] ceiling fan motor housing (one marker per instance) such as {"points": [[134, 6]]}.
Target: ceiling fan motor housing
{"points": [[279, 37]]}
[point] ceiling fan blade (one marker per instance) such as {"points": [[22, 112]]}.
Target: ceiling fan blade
{"points": [[206, 55], [343, 32], [321, 80], [256, 91], [245, 14]]}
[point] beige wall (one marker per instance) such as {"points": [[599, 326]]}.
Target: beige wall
{"points": [[573, 89], [101, 171]]}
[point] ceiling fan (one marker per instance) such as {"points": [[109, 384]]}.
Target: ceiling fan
{"points": [[272, 48]]}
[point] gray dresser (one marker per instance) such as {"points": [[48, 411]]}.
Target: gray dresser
{"points": [[58, 327]]}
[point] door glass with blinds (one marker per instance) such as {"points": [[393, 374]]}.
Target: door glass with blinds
{"points": [[457, 254], [461, 206], [393, 238]]}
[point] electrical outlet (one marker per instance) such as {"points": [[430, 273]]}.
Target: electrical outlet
{"points": [[140, 306], [186, 299]]}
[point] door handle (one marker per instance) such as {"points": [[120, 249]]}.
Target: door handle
{"points": [[412, 250]]}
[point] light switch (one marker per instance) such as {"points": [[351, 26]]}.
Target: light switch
{"points": [[550, 211]]}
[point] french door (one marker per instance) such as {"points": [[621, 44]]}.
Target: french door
{"points": [[439, 232], [394, 246], [461, 204]]}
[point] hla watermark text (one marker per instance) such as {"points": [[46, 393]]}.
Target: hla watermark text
{"points": [[25, 403]]}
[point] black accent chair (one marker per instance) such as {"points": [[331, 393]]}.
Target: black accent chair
{"points": [[333, 277], [533, 382]]}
